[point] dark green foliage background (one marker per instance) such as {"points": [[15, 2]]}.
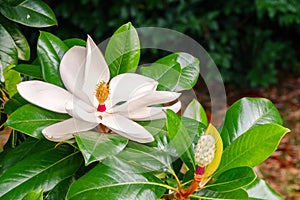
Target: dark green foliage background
{"points": [[250, 41]]}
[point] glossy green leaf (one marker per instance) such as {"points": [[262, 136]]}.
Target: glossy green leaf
{"points": [[14, 103], [75, 42], [96, 146], [28, 147], [20, 41], [11, 2], [209, 194], [246, 114], [12, 78], [50, 50], [59, 192], [261, 190], [8, 51], [122, 53], [103, 182], [34, 195], [31, 120], [159, 131], [253, 147], [194, 128], [180, 139], [34, 71], [34, 13], [41, 169], [232, 179], [140, 158], [175, 72], [195, 111]]}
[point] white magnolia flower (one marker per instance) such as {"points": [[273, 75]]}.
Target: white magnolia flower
{"points": [[91, 99]]}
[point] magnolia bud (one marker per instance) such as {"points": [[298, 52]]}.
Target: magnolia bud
{"points": [[205, 150]]}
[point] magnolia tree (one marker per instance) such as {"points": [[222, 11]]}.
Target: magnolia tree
{"points": [[87, 121]]}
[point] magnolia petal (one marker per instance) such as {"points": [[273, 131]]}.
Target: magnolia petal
{"points": [[80, 110], [65, 130], [126, 86], [127, 128], [45, 95], [71, 70], [152, 113], [96, 69], [152, 98]]}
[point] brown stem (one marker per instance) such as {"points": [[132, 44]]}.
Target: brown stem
{"points": [[185, 193], [103, 128], [182, 194], [193, 187], [173, 196]]}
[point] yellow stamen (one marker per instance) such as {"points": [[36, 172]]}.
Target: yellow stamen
{"points": [[102, 92]]}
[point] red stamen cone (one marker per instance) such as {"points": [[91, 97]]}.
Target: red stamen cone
{"points": [[101, 108], [199, 170]]}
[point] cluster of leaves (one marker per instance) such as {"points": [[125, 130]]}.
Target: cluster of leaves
{"points": [[14, 45], [15, 14], [248, 37], [38, 168]]}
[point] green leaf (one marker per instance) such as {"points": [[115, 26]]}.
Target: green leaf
{"points": [[122, 53], [103, 182], [26, 149], [12, 78], [11, 2], [50, 50], [175, 72], [260, 189], [34, 195], [59, 192], [41, 169], [34, 71], [8, 51], [140, 158], [253, 147], [31, 120], [208, 194], [180, 139], [75, 42], [20, 41], [194, 128], [14, 103], [246, 114], [34, 13], [96, 146], [233, 179], [195, 111], [159, 131]]}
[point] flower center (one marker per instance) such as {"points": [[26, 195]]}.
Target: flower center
{"points": [[101, 94]]}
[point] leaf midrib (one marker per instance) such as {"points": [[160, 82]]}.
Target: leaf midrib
{"points": [[252, 125], [39, 120], [120, 184]]}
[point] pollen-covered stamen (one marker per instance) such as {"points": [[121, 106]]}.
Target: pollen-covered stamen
{"points": [[101, 94], [205, 150]]}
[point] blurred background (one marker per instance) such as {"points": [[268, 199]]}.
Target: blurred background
{"points": [[254, 43]]}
